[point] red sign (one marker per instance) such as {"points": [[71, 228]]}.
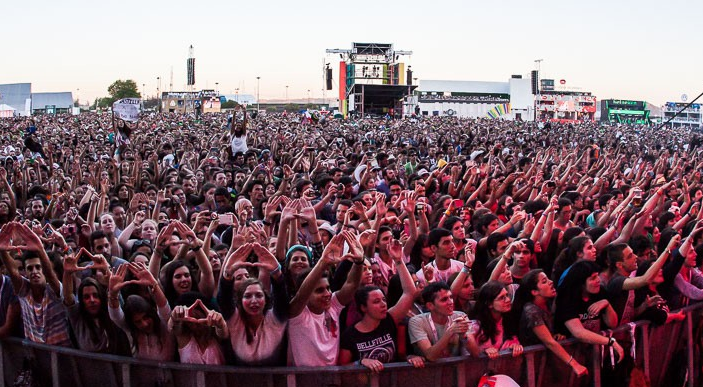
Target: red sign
{"points": [[563, 82]]}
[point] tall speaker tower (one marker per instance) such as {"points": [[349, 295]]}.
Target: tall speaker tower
{"points": [[191, 66]]}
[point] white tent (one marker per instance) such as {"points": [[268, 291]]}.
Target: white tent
{"points": [[6, 110]]}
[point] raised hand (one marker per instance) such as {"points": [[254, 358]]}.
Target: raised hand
{"points": [[395, 250], [139, 217], [116, 281], [307, 212], [266, 260], [381, 208], [333, 251], [367, 238], [30, 239], [163, 240], [238, 256], [141, 273], [356, 251], [70, 264], [6, 237], [187, 234], [469, 254]]}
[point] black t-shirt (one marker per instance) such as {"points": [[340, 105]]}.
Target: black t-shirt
{"points": [[578, 308], [379, 344], [623, 301]]}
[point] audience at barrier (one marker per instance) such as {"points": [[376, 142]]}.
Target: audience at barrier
{"points": [[275, 240]]}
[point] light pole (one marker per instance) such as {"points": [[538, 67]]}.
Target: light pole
{"points": [[236, 97], [257, 94], [143, 90], [286, 93], [308, 96], [217, 88], [158, 92]]}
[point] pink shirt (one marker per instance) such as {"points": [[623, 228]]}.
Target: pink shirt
{"points": [[192, 354]]}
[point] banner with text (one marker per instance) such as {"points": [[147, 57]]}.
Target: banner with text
{"points": [[127, 109]]}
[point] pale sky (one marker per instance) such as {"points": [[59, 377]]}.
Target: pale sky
{"points": [[616, 49]]}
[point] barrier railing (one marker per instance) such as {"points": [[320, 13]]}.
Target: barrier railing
{"points": [[537, 367]]}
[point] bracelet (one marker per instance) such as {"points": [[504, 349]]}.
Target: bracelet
{"points": [[611, 341], [359, 262], [466, 270], [667, 251], [196, 248], [276, 270], [570, 360]]}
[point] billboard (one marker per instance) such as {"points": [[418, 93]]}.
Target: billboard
{"points": [[546, 84], [565, 107]]}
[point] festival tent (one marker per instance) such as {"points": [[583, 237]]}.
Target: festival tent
{"points": [[6, 110]]}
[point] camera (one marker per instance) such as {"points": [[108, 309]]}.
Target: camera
{"points": [[226, 219]]}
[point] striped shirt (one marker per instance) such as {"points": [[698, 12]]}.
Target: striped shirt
{"points": [[44, 321]]}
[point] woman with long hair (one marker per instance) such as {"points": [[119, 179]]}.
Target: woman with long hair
{"points": [[198, 329], [582, 305], [579, 248], [144, 320], [373, 340], [256, 319], [532, 313], [89, 318], [492, 304]]}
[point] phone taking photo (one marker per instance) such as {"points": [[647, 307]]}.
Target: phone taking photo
{"points": [[226, 219]]}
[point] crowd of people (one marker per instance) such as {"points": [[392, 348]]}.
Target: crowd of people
{"points": [[273, 241]]}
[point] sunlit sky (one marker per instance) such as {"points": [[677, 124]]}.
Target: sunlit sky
{"points": [[615, 49]]}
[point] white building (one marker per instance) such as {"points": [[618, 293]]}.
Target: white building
{"points": [[509, 100], [690, 117]]}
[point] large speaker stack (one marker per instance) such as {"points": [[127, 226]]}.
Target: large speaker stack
{"points": [[535, 82], [328, 77], [191, 71]]}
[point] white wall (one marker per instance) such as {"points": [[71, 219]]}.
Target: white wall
{"points": [[469, 110], [521, 98]]}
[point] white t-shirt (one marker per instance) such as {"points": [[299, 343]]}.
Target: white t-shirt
{"points": [[239, 144], [312, 343], [441, 275]]}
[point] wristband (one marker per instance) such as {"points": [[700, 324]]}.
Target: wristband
{"points": [[196, 248], [466, 270], [611, 341], [276, 270]]}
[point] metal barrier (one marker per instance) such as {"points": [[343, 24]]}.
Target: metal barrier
{"points": [[537, 367]]}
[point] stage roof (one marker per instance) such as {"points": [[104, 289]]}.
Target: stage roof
{"points": [[382, 95]]}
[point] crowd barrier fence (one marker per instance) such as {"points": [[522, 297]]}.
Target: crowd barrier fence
{"points": [[656, 348]]}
